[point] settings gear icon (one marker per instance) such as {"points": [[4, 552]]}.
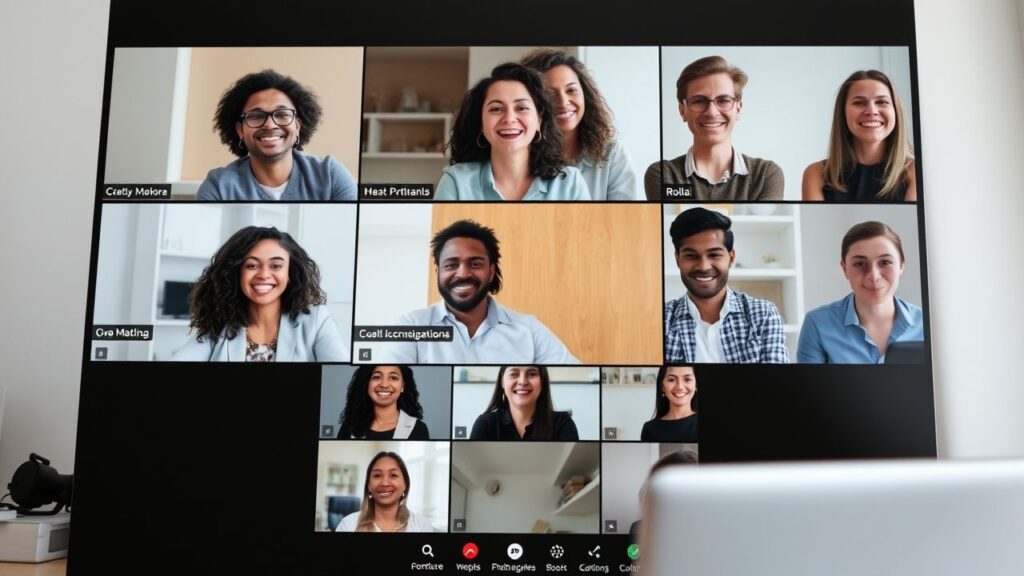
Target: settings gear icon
{"points": [[557, 551]]}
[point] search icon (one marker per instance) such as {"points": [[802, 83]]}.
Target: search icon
{"points": [[427, 550]]}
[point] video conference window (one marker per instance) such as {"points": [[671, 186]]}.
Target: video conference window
{"points": [[382, 486], [651, 404], [224, 282], [725, 139], [626, 470], [511, 123], [494, 284], [509, 487], [525, 403], [385, 402], [234, 124], [774, 283]]}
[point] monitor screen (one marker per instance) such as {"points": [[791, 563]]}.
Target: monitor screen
{"points": [[431, 288]]}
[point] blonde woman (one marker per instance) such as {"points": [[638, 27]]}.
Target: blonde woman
{"points": [[869, 156]]}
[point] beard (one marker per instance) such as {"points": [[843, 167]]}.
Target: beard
{"points": [[467, 303]]}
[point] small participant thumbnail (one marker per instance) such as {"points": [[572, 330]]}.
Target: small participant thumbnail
{"points": [[538, 403], [627, 469], [507, 487], [649, 404], [385, 402], [382, 486]]}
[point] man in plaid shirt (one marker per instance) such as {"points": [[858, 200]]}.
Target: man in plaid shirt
{"points": [[712, 323]]}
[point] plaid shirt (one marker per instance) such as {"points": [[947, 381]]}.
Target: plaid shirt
{"points": [[751, 332]]}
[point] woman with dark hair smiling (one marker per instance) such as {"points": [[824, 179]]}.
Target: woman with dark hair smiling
{"points": [[260, 300], [675, 419], [521, 409], [385, 493], [383, 404], [505, 146], [583, 118]]}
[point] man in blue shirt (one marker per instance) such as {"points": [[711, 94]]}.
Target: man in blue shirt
{"points": [[467, 258], [711, 322], [265, 119]]}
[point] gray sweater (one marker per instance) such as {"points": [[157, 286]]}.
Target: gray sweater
{"points": [[764, 181], [311, 179]]}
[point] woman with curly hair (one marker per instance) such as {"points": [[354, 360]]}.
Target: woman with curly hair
{"points": [[869, 153], [505, 146], [385, 497], [260, 300], [383, 404], [583, 118], [265, 118]]}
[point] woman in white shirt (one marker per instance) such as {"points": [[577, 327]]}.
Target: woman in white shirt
{"points": [[384, 500]]}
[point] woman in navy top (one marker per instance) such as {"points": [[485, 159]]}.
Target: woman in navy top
{"points": [[869, 154], [675, 416], [505, 145], [860, 328]]}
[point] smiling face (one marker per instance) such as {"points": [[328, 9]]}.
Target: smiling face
{"points": [[386, 482], [386, 385], [509, 119], [522, 385], [464, 273], [704, 263], [264, 275], [870, 114], [679, 385], [568, 99], [712, 126], [873, 267], [269, 142]]}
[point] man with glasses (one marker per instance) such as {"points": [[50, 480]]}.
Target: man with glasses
{"points": [[265, 119], [710, 95]]}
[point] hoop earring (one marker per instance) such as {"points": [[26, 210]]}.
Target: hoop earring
{"points": [[538, 137], [242, 145], [478, 144]]}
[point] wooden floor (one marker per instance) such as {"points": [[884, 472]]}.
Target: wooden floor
{"points": [[52, 568]]}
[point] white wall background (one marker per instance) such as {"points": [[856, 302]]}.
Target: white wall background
{"points": [[47, 218], [788, 100], [823, 228], [627, 408], [623, 472]]}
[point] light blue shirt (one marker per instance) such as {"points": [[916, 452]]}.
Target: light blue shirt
{"points": [[832, 334], [475, 181], [612, 179], [505, 337]]}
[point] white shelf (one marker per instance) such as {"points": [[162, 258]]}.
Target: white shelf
{"points": [[584, 502], [171, 322]]}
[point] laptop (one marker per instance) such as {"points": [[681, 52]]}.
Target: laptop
{"points": [[837, 519]]}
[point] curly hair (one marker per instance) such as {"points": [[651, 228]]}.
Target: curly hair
{"points": [[232, 102], [465, 144], [595, 128], [357, 416], [471, 229], [217, 303]]}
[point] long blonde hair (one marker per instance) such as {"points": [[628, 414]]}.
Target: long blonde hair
{"points": [[369, 508], [841, 157]]}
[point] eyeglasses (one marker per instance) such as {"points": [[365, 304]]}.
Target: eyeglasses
{"points": [[257, 118], [700, 103]]}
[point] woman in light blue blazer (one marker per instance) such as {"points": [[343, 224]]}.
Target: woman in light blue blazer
{"points": [[260, 300], [505, 145]]}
